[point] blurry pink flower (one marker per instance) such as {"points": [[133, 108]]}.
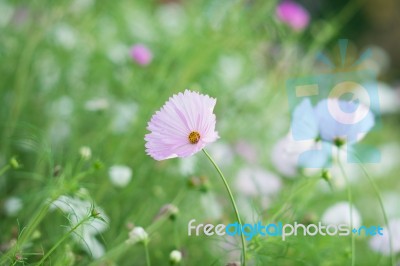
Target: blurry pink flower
{"points": [[247, 151], [293, 15], [141, 54], [183, 126]]}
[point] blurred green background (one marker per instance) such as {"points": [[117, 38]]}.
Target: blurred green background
{"points": [[68, 81]]}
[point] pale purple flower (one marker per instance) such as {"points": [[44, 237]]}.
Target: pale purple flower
{"points": [[183, 126], [256, 181], [141, 54], [288, 155], [345, 120], [332, 120], [293, 15], [247, 151]]}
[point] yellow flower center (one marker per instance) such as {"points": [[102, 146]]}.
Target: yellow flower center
{"points": [[194, 137]]}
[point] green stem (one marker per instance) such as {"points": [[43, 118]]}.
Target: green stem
{"points": [[378, 194], [146, 250], [350, 198], [120, 249], [25, 234], [63, 239], [4, 169], [233, 204], [297, 191]]}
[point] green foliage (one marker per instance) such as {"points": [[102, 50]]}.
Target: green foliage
{"points": [[68, 81]]}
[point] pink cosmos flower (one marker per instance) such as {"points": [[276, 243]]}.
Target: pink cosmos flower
{"points": [[141, 54], [293, 15], [183, 126]]}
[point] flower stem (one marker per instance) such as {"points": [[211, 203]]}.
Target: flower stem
{"points": [[146, 250], [350, 198], [4, 169], [63, 239], [233, 204], [378, 194]]}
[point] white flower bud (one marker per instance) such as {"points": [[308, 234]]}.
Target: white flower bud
{"points": [[137, 234], [85, 152], [175, 256]]}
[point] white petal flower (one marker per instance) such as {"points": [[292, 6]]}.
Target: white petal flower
{"points": [[229, 69], [285, 155], [172, 18], [288, 155], [124, 116], [389, 99], [211, 206], [377, 61], [6, 13], [257, 181], [62, 107], [340, 214], [120, 175], [59, 131], [222, 153], [391, 203], [390, 152], [65, 36], [187, 165], [77, 210], [98, 104], [140, 25], [12, 206], [81, 6], [117, 53], [381, 244], [91, 245]]}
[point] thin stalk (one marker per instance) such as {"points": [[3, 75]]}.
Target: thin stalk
{"points": [[123, 247], [25, 234], [4, 169], [146, 250], [350, 198], [309, 183], [233, 204], [63, 239], [378, 195]]}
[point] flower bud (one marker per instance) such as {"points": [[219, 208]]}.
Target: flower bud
{"points": [[169, 210], [175, 256], [85, 152], [138, 235], [326, 175], [14, 163]]}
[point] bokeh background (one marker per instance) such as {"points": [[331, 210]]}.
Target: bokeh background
{"points": [[80, 80]]}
